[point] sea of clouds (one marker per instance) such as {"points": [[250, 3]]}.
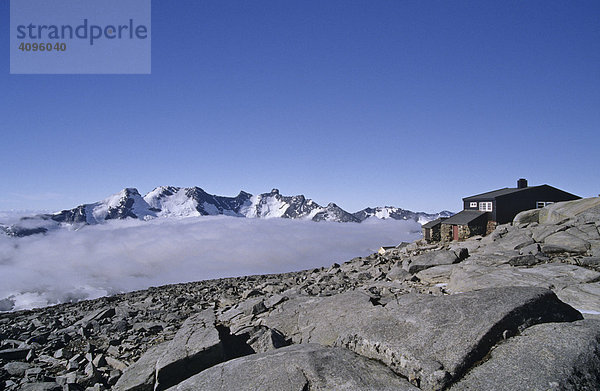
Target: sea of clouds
{"points": [[120, 256]]}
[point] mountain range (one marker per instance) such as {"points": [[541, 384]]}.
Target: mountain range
{"points": [[177, 202]]}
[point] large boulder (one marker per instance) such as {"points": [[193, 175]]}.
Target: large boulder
{"points": [[436, 275], [140, 375], [565, 242], [296, 368], [527, 217], [470, 277], [431, 259], [551, 356], [430, 340], [583, 297], [588, 209], [195, 347]]}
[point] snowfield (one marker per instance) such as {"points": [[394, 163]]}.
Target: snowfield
{"points": [[126, 255]]}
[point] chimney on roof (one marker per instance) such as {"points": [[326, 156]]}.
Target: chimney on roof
{"points": [[522, 183]]}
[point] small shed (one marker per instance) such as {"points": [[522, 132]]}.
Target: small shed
{"points": [[463, 225], [432, 230]]}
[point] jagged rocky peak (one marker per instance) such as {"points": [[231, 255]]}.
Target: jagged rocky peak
{"points": [[332, 212], [163, 191], [243, 194], [390, 212]]}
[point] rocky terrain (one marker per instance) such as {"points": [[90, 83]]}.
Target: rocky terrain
{"points": [[177, 202], [516, 310]]}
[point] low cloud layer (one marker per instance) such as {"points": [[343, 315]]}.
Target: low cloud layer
{"points": [[128, 255]]}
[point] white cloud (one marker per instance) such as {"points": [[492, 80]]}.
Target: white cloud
{"points": [[128, 255]]}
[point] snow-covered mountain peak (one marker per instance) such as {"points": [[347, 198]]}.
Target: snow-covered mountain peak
{"points": [[172, 201]]}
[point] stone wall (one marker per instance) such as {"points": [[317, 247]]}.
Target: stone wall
{"points": [[432, 235], [464, 232], [491, 226]]}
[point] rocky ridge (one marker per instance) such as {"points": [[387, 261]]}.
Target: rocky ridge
{"points": [[516, 310]]}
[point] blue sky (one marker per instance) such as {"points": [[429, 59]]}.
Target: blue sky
{"points": [[364, 103]]}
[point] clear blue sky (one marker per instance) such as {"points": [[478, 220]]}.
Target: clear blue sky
{"points": [[364, 103]]}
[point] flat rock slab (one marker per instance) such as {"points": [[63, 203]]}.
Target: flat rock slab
{"points": [[567, 242], [585, 298], [297, 368], [436, 275], [527, 216], [560, 211], [431, 259], [430, 340], [551, 356], [195, 347], [469, 277], [515, 240], [140, 376]]}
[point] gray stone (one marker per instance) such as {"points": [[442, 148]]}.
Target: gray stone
{"points": [[259, 308], [469, 277], [551, 356], [195, 347], [16, 368], [541, 232], [585, 298], [262, 339], [567, 242], [515, 240], [140, 375], [590, 230], [523, 260], [33, 372], [397, 272], [100, 314], [272, 301], [593, 262], [116, 364], [431, 259], [430, 346], [436, 275], [527, 216], [296, 368], [561, 211], [530, 249]]}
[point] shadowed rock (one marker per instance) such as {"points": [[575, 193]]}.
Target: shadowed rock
{"points": [[431, 259], [565, 242], [465, 278], [140, 375], [584, 297], [551, 356], [430, 340], [195, 347], [296, 368], [584, 209]]}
